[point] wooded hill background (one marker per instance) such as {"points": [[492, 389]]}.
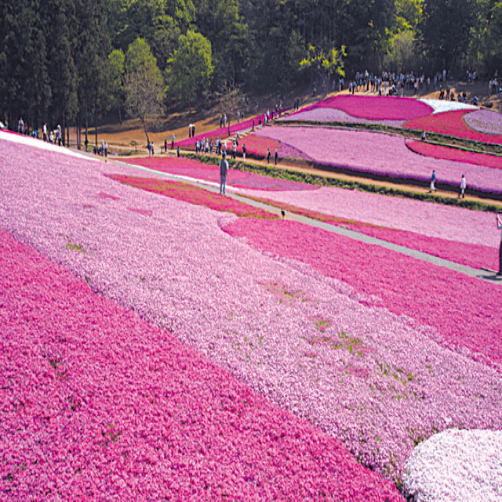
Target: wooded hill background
{"points": [[76, 60]]}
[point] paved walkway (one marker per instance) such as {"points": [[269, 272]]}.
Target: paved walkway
{"points": [[233, 192]]}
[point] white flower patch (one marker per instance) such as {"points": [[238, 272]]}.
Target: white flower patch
{"points": [[456, 465], [444, 105], [43, 145]]}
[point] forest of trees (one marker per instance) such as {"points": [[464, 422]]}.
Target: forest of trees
{"points": [[75, 61]]}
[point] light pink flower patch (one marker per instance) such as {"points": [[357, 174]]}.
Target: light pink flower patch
{"points": [[98, 404], [336, 115], [464, 310], [376, 107], [485, 121], [383, 155], [103, 195], [144, 212], [446, 153]]}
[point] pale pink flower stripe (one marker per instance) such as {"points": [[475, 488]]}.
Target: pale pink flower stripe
{"points": [[465, 254], [196, 169], [310, 343], [464, 310], [335, 115], [101, 405], [446, 153], [430, 219], [484, 121], [457, 234], [375, 107], [381, 154], [453, 124]]}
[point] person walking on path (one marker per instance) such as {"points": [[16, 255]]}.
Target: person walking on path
{"points": [[499, 227], [268, 155], [276, 157], [223, 173], [463, 186], [433, 181], [173, 139]]}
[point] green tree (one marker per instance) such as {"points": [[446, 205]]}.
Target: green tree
{"points": [[445, 31], [190, 69], [144, 85], [484, 53], [24, 84], [325, 64], [115, 71], [62, 70]]}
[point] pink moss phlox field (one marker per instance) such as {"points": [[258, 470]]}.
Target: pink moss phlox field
{"points": [[472, 255], [380, 154], [258, 146], [446, 153], [485, 121], [101, 405], [375, 107], [464, 310], [195, 169], [452, 124], [335, 115], [310, 343], [223, 132], [192, 194]]}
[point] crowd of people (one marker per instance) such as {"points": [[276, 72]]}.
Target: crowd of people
{"points": [[54, 136]]}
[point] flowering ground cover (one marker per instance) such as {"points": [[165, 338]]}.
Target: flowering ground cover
{"points": [[380, 154], [453, 124], [192, 194], [224, 132], [456, 465], [401, 283], [375, 107], [485, 121], [336, 115], [258, 146], [446, 153], [195, 169], [100, 405], [472, 255], [313, 344]]}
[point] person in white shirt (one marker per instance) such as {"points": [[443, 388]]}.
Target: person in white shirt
{"points": [[463, 186]]}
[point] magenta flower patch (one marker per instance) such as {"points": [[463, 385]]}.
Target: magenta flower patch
{"points": [[452, 124], [446, 153], [375, 107]]}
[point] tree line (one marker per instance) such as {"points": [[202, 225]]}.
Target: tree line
{"points": [[76, 62]]}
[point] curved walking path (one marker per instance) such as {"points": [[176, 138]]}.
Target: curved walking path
{"points": [[233, 192]]}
